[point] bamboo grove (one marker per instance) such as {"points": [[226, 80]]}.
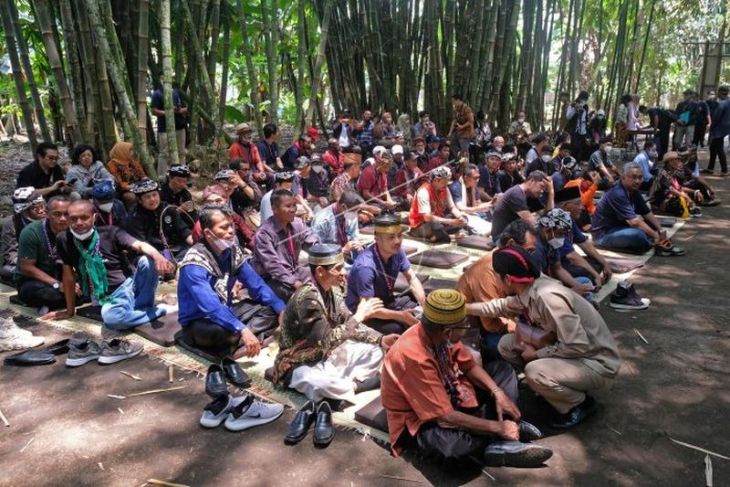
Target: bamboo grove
{"points": [[83, 70]]}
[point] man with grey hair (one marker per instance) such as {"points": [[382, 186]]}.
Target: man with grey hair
{"points": [[433, 213], [623, 220]]}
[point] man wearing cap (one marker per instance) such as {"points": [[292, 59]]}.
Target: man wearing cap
{"points": [[338, 224], [509, 175], [489, 175], [279, 241], [325, 351], [398, 164], [373, 184], [374, 273], [333, 157], [175, 192], [600, 161], [432, 390], [594, 266], [480, 282], [243, 149], [519, 201], [554, 244], [38, 273], [157, 223], [108, 210], [96, 258], [565, 347], [213, 316], [28, 206], [624, 221], [433, 213], [302, 147]]}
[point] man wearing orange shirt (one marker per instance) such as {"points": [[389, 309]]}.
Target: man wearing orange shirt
{"points": [[432, 390]]}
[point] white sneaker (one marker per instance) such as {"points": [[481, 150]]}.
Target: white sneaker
{"points": [[169, 308], [252, 412], [14, 338], [43, 310], [218, 411]]}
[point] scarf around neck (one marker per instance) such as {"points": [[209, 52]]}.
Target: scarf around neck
{"points": [[92, 269]]}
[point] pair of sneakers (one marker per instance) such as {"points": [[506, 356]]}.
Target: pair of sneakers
{"points": [[625, 298], [84, 350], [239, 413], [12, 337]]}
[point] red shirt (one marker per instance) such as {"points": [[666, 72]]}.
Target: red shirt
{"points": [[407, 182], [412, 389], [250, 154], [435, 162], [373, 181], [336, 162]]}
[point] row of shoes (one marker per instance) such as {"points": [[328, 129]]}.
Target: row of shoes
{"points": [[239, 413], [220, 374], [625, 298], [13, 337], [318, 414]]}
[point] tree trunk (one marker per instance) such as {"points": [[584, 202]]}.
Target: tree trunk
{"points": [[17, 73], [143, 40], [167, 71], [76, 78], [224, 73], [271, 38], [324, 29], [43, 18], [129, 118], [253, 79], [28, 69], [301, 68]]}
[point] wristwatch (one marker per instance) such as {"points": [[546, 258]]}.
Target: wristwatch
{"points": [[56, 285]]}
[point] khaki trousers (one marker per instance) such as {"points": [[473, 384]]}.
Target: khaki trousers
{"points": [[560, 381], [163, 160]]}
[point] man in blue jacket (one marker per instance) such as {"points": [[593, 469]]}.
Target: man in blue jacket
{"points": [[208, 288], [719, 129]]}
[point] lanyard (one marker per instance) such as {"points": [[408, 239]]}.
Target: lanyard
{"points": [[47, 237], [341, 230], [389, 281], [291, 245]]}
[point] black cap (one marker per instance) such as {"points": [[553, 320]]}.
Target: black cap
{"points": [[144, 186], [325, 254], [567, 194], [387, 223], [179, 171], [283, 177]]}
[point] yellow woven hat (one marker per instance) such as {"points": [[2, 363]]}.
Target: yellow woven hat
{"points": [[445, 307]]}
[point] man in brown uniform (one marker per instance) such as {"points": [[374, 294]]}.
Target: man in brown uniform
{"points": [[566, 348]]}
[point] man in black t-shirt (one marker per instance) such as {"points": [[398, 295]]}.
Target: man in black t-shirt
{"points": [[96, 257], [44, 174], [520, 201]]}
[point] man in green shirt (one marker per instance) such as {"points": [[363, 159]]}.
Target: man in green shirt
{"points": [[39, 271]]}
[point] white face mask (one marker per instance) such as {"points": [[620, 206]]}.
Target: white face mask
{"points": [[82, 236], [521, 120], [556, 243], [547, 158], [224, 244], [106, 207]]}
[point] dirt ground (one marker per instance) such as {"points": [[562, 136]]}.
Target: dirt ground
{"points": [[65, 430]]}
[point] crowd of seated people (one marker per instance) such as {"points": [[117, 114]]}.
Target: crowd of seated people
{"points": [[107, 233]]}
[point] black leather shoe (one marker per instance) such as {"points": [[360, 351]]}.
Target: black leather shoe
{"points": [[299, 427], [30, 357], [529, 432], [215, 382], [575, 416], [235, 374], [515, 454], [324, 431]]}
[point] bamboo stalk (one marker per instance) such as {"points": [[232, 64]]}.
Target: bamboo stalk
{"points": [[143, 40], [165, 43]]}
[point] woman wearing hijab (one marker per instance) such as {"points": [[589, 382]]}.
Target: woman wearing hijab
{"points": [[126, 170]]}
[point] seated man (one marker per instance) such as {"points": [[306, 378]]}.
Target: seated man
{"points": [[645, 159], [699, 188], [489, 176], [334, 157], [594, 266], [213, 317], [39, 270], [346, 182], [28, 206], [566, 348], [374, 274], [432, 390], [325, 352], [157, 223], [520, 201], [433, 213], [247, 195], [409, 178], [667, 194], [44, 174], [107, 209], [480, 283], [601, 162], [477, 212], [373, 184], [282, 180], [175, 192], [337, 224], [244, 150], [279, 241], [96, 256], [554, 243], [318, 185], [624, 221], [509, 175], [214, 197]]}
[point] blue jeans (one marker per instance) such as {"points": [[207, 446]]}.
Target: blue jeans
{"points": [[626, 238], [133, 303]]}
